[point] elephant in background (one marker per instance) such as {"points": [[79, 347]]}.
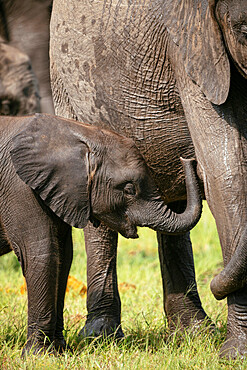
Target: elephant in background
{"points": [[19, 92], [24, 57], [171, 75], [57, 173]]}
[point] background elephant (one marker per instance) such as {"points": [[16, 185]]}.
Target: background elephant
{"points": [[19, 92], [57, 173], [171, 75], [24, 59]]}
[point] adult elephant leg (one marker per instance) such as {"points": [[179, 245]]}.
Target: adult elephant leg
{"points": [[103, 301], [236, 343], [220, 139], [182, 303], [64, 267]]}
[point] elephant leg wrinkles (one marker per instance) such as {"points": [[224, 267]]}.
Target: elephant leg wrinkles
{"points": [[103, 301], [221, 153], [41, 274], [182, 303], [5, 245], [64, 267], [236, 325], [46, 270], [181, 300]]}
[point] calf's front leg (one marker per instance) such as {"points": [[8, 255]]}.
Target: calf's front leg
{"points": [[46, 268], [103, 301]]}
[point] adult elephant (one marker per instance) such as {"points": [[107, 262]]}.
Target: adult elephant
{"points": [[24, 58], [172, 76]]}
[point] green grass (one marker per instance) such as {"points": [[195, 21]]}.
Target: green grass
{"points": [[148, 343]]}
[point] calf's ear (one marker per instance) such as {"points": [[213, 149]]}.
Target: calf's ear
{"points": [[51, 156]]}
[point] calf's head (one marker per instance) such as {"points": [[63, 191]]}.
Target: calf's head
{"points": [[85, 173]]}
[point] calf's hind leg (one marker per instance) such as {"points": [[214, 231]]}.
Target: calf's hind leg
{"points": [[66, 256]]}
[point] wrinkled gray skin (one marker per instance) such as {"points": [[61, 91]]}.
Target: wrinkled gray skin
{"points": [[24, 59], [57, 173], [171, 75], [19, 92]]}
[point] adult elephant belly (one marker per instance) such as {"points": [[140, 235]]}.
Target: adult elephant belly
{"points": [[109, 67]]}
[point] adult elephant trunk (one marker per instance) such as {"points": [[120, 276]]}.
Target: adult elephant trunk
{"points": [[161, 218], [233, 276]]}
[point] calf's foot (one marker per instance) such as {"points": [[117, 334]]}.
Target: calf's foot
{"points": [[102, 327]]}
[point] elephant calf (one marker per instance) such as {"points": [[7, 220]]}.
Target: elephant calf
{"points": [[57, 173]]}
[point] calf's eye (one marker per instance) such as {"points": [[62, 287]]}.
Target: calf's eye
{"points": [[129, 189]]}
